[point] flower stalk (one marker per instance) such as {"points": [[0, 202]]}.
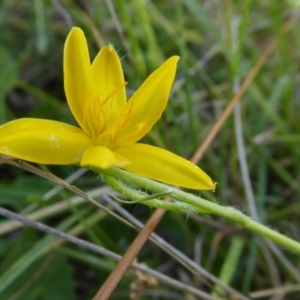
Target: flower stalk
{"points": [[141, 198], [197, 203]]}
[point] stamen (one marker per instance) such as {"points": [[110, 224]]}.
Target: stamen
{"points": [[114, 92], [96, 110], [127, 115], [87, 101], [93, 111], [89, 109], [139, 128]]}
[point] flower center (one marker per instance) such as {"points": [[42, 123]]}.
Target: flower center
{"points": [[96, 114]]}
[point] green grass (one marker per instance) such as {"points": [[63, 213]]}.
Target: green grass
{"points": [[219, 42]]}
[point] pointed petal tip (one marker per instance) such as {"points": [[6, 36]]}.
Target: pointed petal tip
{"points": [[76, 30], [204, 182], [75, 39], [146, 105], [212, 186], [109, 48], [172, 61], [106, 52], [200, 181], [164, 166], [75, 33], [175, 58]]}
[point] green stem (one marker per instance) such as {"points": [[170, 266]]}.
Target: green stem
{"points": [[138, 197], [229, 213]]}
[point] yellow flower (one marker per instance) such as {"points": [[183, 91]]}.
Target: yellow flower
{"points": [[110, 126]]}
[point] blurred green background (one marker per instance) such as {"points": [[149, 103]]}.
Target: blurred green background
{"points": [[218, 42]]}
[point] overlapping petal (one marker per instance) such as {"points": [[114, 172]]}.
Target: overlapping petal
{"points": [[102, 158], [77, 75], [43, 141], [109, 82], [162, 165], [146, 105]]}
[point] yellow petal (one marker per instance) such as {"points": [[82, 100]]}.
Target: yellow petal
{"points": [[43, 141], [102, 158], [162, 165], [77, 75], [146, 105], [109, 82]]}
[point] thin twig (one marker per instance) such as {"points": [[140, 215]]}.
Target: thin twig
{"points": [[100, 250], [130, 255], [236, 98], [50, 210], [64, 13], [25, 166], [83, 5], [221, 120], [287, 288], [118, 26], [185, 261], [154, 238], [243, 162]]}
